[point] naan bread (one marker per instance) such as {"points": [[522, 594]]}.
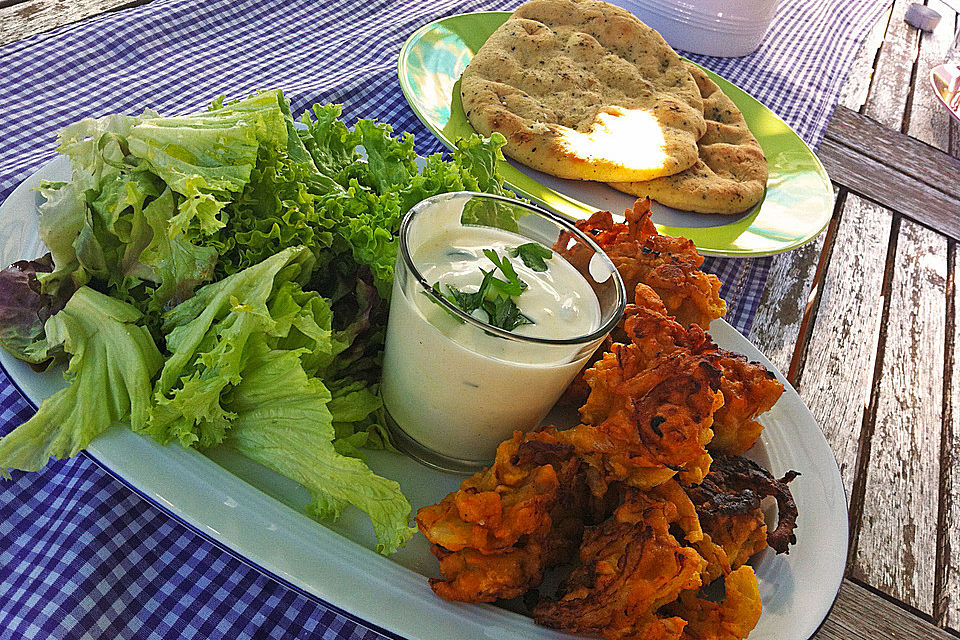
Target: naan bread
{"points": [[731, 174], [582, 89]]}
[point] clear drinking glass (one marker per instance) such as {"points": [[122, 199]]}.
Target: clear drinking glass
{"points": [[455, 386]]}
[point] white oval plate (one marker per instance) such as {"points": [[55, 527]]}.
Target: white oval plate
{"points": [[254, 513]]}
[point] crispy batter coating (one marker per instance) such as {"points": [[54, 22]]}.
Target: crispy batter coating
{"points": [[734, 540], [670, 266], [643, 256], [498, 533], [644, 424], [648, 325], [718, 562], [670, 500], [748, 388], [732, 618], [472, 576], [630, 566], [728, 504]]}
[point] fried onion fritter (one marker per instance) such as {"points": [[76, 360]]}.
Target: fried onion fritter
{"points": [[670, 266], [648, 325], [728, 504], [748, 388], [733, 618], [630, 566], [639, 570], [644, 424], [642, 256], [496, 535]]}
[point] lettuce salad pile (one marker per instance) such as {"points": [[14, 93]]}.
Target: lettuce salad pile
{"points": [[222, 278]]}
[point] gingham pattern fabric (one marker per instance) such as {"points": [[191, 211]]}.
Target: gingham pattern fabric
{"points": [[82, 555]]}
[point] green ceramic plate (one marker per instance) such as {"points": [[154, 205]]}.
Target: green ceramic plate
{"points": [[799, 199]]}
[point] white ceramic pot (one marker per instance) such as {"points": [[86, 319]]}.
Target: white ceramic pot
{"points": [[724, 28]]}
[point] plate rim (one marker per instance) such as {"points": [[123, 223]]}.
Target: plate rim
{"points": [[820, 170], [393, 624]]}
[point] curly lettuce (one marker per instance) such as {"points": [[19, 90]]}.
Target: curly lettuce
{"points": [[246, 365], [231, 272]]}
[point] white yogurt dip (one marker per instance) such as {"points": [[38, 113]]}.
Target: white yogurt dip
{"points": [[458, 390]]}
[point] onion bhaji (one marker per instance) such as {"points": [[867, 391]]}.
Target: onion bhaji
{"points": [[642, 425], [668, 265], [732, 618], [728, 504], [630, 566], [496, 535], [648, 498], [748, 388]]}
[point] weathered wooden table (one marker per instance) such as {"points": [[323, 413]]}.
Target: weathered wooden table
{"points": [[864, 319]]}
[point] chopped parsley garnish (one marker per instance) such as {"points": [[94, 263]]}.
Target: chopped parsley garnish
{"points": [[440, 294], [494, 297], [504, 313], [533, 255], [514, 285]]}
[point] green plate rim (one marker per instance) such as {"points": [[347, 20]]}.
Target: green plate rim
{"points": [[569, 206]]}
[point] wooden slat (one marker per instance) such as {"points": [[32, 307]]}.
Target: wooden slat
{"points": [[948, 600], [29, 18], [895, 550], [855, 90], [837, 371], [891, 84], [891, 188], [929, 122], [860, 614], [923, 161], [927, 119], [790, 285], [900, 492], [954, 123]]}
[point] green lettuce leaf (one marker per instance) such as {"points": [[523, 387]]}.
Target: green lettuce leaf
{"points": [[358, 417], [276, 208], [111, 367], [332, 146], [208, 158], [62, 216], [283, 422], [146, 191], [246, 353], [179, 265], [98, 155], [206, 337], [379, 191]]}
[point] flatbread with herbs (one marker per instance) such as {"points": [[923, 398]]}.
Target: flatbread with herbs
{"points": [[582, 89], [730, 175]]}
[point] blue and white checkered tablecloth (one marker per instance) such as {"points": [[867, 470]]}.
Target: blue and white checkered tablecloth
{"points": [[83, 556]]}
